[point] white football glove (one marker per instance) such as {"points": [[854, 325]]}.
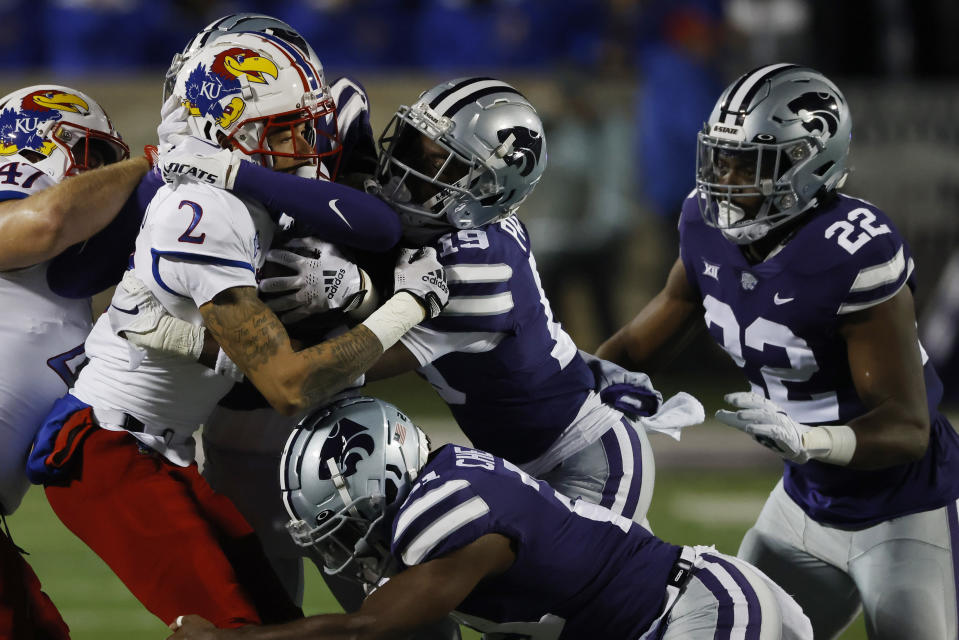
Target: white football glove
{"points": [[419, 273], [768, 424], [173, 127], [136, 314], [325, 280], [194, 160]]}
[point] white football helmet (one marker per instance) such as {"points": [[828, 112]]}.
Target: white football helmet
{"points": [[466, 154], [245, 85], [345, 472], [59, 130], [786, 129], [238, 23]]}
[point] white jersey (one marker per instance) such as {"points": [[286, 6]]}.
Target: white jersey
{"points": [[195, 242], [42, 337]]}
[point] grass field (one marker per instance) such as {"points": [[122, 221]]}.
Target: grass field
{"points": [[690, 506], [98, 607]]}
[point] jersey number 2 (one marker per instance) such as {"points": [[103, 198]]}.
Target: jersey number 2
{"points": [[197, 214]]}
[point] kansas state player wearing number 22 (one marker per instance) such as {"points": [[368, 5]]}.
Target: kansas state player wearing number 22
{"points": [[809, 291]]}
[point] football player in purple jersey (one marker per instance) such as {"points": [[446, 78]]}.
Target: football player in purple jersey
{"points": [[463, 531], [810, 292]]}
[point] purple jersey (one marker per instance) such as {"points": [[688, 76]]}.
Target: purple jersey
{"points": [[605, 575], [779, 320], [510, 374]]}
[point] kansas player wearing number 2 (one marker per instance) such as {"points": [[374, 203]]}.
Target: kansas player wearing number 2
{"points": [[809, 291]]}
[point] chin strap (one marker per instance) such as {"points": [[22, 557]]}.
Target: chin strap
{"points": [[341, 487]]}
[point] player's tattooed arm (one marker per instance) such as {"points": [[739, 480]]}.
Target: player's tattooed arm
{"points": [[37, 228], [883, 350], [410, 600], [660, 330], [255, 339]]}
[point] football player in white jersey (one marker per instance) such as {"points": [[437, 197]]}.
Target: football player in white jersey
{"points": [[241, 446], [132, 414], [810, 292], [52, 137]]}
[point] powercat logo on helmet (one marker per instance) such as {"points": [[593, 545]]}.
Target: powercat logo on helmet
{"points": [[521, 147], [819, 112], [347, 444]]}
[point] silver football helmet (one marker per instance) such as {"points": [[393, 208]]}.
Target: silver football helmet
{"points": [[238, 23], [467, 153], [345, 471], [783, 131]]}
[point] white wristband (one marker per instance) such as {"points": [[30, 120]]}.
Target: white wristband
{"points": [[172, 336], [834, 444], [226, 367], [397, 316]]}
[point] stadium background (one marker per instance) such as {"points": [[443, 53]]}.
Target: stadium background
{"points": [[622, 86]]}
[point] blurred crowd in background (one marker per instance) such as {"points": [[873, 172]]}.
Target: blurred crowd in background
{"points": [[628, 84]]}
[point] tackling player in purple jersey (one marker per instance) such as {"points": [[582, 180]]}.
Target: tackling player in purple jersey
{"points": [[467, 532], [456, 165], [810, 292]]}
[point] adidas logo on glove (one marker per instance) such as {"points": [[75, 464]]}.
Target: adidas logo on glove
{"points": [[332, 280]]}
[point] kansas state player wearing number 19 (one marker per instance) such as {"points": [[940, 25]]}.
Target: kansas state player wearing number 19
{"points": [[810, 292], [456, 165]]}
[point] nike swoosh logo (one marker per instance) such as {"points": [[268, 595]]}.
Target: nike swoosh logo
{"points": [[337, 212], [778, 300], [132, 312]]}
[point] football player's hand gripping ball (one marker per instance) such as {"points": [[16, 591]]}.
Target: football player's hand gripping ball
{"points": [[324, 280]]}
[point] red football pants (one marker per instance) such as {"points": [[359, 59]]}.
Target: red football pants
{"points": [[176, 544], [26, 612]]}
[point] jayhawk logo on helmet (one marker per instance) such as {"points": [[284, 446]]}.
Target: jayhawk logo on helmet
{"points": [[21, 126], [206, 88]]}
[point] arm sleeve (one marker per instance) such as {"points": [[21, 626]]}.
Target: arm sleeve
{"points": [[334, 212]]}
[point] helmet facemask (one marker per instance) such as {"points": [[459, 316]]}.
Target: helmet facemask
{"points": [[87, 148], [252, 136], [759, 195], [352, 542], [432, 184]]}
